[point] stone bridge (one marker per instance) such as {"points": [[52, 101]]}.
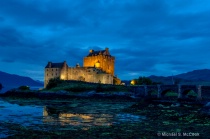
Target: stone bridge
{"points": [[203, 92]]}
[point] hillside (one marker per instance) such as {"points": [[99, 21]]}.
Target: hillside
{"points": [[193, 77], [196, 75], [7, 79]]}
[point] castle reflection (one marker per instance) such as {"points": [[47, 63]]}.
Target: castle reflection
{"points": [[59, 117]]}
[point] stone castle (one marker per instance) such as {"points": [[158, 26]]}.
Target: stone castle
{"points": [[98, 67]]}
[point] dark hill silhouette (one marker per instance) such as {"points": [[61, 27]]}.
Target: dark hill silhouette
{"points": [[196, 75], [7, 79], [193, 77]]}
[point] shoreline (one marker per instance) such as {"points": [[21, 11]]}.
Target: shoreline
{"points": [[66, 95]]}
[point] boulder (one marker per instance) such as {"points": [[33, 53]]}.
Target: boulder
{"points": [[207, 105], [176, 105], [205, 111]]}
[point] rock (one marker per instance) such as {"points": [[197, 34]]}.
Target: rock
{"points": [[205, 111], [119, 93], [151, 105], [62, 92], [176, 105], [160, 105], [207, 105]]}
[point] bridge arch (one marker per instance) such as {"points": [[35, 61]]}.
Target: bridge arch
{"points": [[189, 93], [180, 91], [170, 92], [153, 93]]}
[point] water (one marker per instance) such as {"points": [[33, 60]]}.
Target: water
{"points": [[68, 115], [5, 89]]}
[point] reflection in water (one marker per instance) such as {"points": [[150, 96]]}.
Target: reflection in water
{"points": [[56, 116], [63, 115], [52, 116]]}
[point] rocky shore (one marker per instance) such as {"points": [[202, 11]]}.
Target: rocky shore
{"points": [[67, 95]]}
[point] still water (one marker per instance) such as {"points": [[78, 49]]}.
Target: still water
{"points": [[7, 88], [65, 115]]}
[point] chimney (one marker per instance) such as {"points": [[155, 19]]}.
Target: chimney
{"points": [[91, 51], [50, 64], [77, 65], [64, 63]]}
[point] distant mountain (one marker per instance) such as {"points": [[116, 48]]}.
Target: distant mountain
{"points": [[196, 75], [193, 77], [39, 81], [167, 80], [7, 79]]}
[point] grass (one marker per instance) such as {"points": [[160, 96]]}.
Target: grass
{"points": [[171, 94], [84, 87]]}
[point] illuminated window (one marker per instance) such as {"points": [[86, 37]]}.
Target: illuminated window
{"points": [[97, 64]]}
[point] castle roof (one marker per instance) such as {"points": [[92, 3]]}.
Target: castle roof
{"points": [[96, 53], [55, 65]]}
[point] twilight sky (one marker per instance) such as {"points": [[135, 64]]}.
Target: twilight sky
{"points": [[147, 37]]}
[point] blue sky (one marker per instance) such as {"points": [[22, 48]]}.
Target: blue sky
{"points": [[147, 37]]}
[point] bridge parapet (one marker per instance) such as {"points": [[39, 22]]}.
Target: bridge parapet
{"points": [[205, 90], [181, 90]]}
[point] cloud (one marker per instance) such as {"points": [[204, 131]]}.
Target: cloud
{"points": [[146, 37]]}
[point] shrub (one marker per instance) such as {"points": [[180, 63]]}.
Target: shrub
{"points": [[1, 86], [24, 88], [53, 83], [99, 88], [144, 81]]}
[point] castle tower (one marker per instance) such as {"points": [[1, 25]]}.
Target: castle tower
{"points": [[100, 59], [55, 70]]}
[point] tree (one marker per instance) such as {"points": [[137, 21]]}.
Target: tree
{"points": [[144, 81], [24, 88], [53, 83], [1, 86]]}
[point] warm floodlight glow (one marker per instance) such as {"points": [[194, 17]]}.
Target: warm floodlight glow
{"points": [[62, 77], [133, 82], [98, 65]]}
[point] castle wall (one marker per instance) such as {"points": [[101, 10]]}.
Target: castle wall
{"points": [[89, 75], [105, 78], [116, 81], [51, 73], [64, 72], [76, 73]]}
